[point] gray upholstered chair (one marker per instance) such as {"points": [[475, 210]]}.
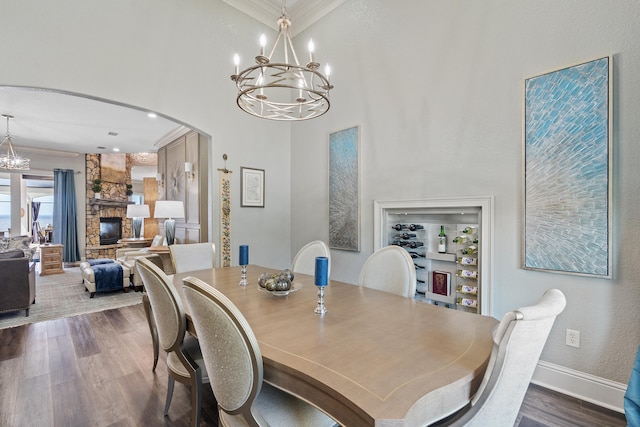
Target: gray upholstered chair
{"points": [[390, 269], [305, 260], [234, 362], [517, 343], [184, 359], [17, 281], [193, 256]]}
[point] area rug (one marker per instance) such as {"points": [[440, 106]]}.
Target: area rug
{"points": [[63, 295]]}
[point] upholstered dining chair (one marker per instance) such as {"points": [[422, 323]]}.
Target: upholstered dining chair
{"points": [[305, 260], [193, 256], [234, 362], [517, 343], [184, 358], [389, 269]]}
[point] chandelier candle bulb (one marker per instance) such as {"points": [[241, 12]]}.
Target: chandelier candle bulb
{"points": [[311, 49], [236, 62], [263, 43]]}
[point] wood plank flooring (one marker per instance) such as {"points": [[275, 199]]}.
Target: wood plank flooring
{"points": [[95, 370]]}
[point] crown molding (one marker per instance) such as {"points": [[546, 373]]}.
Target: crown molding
{"points": [[303, 13], [172, 136]]}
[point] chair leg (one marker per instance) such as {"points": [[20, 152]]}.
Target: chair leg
{"points": [[152, 329], [196, 396], [169, 395]]}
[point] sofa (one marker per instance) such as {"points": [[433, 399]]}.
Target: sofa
{"points": [[17, 281]]}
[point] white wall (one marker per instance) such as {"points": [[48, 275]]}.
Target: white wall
{"points": [[173, 57], [437, 88]]}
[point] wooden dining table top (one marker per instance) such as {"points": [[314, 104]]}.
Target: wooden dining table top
{"points": [[374, 358]]}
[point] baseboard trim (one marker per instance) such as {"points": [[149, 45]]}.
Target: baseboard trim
{"points": [[599, 391]]}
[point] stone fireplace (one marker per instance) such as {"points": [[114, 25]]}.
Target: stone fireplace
{"points": [[112, 203]]}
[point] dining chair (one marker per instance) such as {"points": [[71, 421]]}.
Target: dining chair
{"points": [[193, 256], [389, 269], [184, 358], [146, 304], [517, 343], [305, 260], [234, 362]]}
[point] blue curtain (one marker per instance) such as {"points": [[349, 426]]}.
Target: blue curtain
{"points": [[65, 226]]}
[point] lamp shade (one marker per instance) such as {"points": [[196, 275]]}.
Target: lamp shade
{"points": [[169, 209], [138, 211]]}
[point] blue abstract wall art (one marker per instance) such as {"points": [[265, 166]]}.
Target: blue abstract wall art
{"points": [[344, 190], [567, 170]]}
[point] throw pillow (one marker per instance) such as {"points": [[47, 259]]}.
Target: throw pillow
{"points": [[21, 242], [12, 253]]}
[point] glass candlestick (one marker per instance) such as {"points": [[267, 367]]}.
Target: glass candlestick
{"points": [[320, 308], [243, 278]]}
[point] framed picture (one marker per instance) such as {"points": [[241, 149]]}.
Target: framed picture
{"points": [[441, 282], [251, 187], [344, 189], [567, 170], [113, 167]]}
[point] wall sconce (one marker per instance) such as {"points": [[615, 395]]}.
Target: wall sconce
{"points": [[188, 171], [160, 180]]}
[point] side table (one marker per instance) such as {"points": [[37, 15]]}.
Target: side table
{"points": [[50, 259]]}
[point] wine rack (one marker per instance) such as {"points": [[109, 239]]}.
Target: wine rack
{"points": [[437, 276], [449, 279], [467, 274]]}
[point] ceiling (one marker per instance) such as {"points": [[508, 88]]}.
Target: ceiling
{"points": [[48, 120]]}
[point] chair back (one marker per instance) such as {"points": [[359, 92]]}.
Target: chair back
{"points": [[390, 269], [167, 308], [305, 260], [517, 344], [229, 348], [159, 240], [193, 256]]}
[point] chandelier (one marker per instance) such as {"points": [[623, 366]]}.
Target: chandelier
{"points": [[285, 91], [9, 160]]}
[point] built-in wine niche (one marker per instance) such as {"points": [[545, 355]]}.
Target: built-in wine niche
{"points": [[449, 240]]}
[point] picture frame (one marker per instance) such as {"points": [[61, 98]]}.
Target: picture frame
{"points": [[113, 167], [344, 189], [251, 187], [567, 170]]}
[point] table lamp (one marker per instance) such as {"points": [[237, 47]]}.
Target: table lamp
{"points": [[169, 209], [137, 212]]}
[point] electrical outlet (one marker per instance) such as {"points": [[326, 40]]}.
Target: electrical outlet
{"points": [[573, 338]]}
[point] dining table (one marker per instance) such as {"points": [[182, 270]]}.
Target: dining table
{"points": [[373, 359]]}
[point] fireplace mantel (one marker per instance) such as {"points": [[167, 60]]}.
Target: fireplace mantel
{"points": [[96, 204]]}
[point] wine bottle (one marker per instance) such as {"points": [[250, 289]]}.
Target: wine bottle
{"points": [[414, 227], [461, 239], [416, 255], [405, 236], [399, 227], [470, 250], [470, 230], [442, 241], [399, 243], [468, 274], [419, 267], [414, 244], [466, 260]]}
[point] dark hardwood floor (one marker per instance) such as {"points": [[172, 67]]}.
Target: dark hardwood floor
{"points": [[95, 370]]}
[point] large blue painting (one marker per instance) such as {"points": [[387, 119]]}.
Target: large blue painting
{"points": [[567, 170], [344, 186]]}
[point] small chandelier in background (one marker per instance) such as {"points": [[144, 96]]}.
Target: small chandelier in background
{"points": [[9, 160], [285, 91]]}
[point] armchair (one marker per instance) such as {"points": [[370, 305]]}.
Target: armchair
{"points": [[17, 282]]}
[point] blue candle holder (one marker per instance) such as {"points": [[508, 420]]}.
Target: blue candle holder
{"points": [[244, 260], [321, 280]]}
